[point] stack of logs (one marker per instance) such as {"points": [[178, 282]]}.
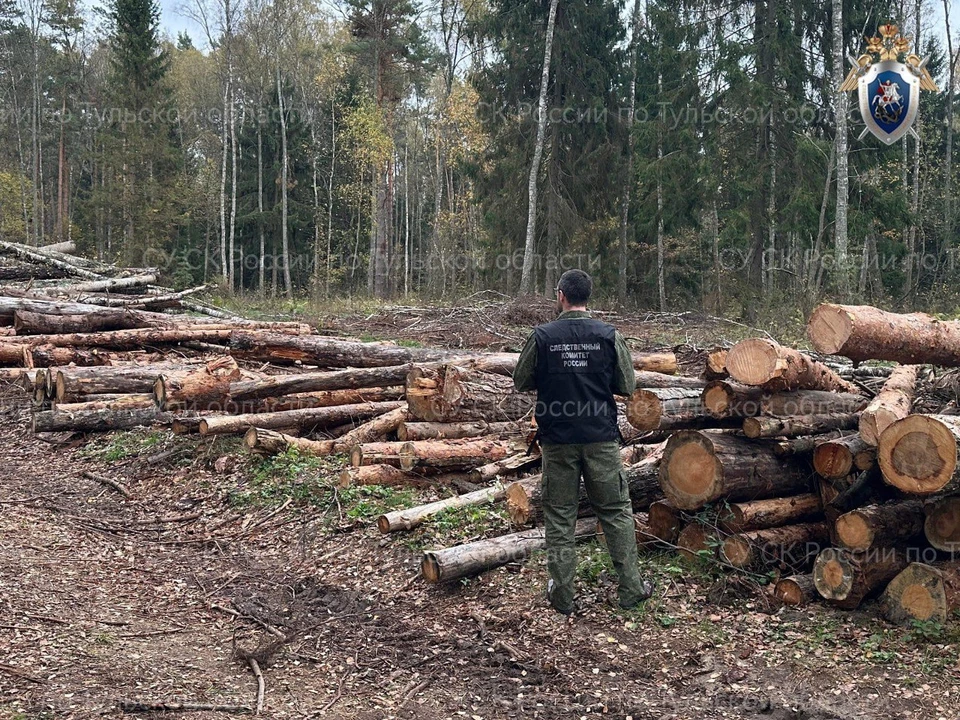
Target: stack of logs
{"points": [[770, 462]]}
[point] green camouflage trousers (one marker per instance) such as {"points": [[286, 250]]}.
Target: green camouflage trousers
{"points": [[606, 486]]}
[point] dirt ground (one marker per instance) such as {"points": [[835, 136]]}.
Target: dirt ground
{"points": [[218, 557]]}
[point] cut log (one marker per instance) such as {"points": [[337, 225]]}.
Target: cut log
{"points": [[757, 361], [846, 578], [766, 427], [880, 525], [792, 547], [775, 512], [205, 388], [413, 517], [67, 246], [658, 362], [71, 384], [457, 394], [270, 442], [862, 332], [123, 339], [837, 458], [107, 402], [31, 323], [795, 590], [320, 398], [697, 542], [376, 453], [922, 593], [892, 403], [919, 454], [51, 356], [278, 385], [664, 521], [49, 258], [715, 365], [374, 429], [476, 557], [98, 420], [802, 445], [670, 409], [455, 454], [723, 398], [700, 467], [454, 431], [811, 402], [305, 419], [646, 379], [525, 500], [388, 475], [942, 524]]}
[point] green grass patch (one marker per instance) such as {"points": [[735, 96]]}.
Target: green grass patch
{"points": [[124, 445]]}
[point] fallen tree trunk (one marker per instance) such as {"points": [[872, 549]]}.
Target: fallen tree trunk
{"points": [[458, 454], [775, 512], [100, 420], [457, 394], [792, 547], [700, 467], [472, 558], [413, 517], [765, 427], [762, 362], [270, 442], [862, 332], [893, 402], [919, 454], [846, 578], [795, 590], [922, 593], [525, 500], [455, 431], [880, 525], [839, 457], [942, 524], [305, 419], [38, 255]]}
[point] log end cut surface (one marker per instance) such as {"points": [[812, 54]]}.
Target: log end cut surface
{"points": [[691, 470], [942, 525], [918, 455], [829, 328], [833, 575], [917, 593], [430, 568], [736, 551], [854, 531], [753, 361]]}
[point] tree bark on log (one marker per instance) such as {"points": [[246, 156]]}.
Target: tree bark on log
{"points": [[305, 419], [122, 339], [664, 521], [893, 402], [71, 384], [922, 593], [795, 590], [918, 454], [107, 402], [415, 516], [455, 431], [388, 475], [700, 467], [715, 365], [670, 409], [846, 578], [374, 429], [775, 512], [862, 332], [942, 524], [463, 560], [98, 420], [270, 442], [376, 453], [525, 500], [50, 356], [880, 525], [31, 323], [454, 454], [456, 394], [320, 398], [724, 398], [48, 258], [792, 547], [837, 458], [349, 379], [761, 362], [647, 379], [788, 447], [766, 427], [205, 388]]}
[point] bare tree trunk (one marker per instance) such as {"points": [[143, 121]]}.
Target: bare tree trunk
{"points": [[843, 177], [915, 191], [661, 284], [948, 161], [224, 266], [263, 249], [233, 185], [406, 213], [333, 165], [628, 181], [284, 172], [526, 276]]}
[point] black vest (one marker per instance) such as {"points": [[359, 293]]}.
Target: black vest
{"points": [[576, 366]]}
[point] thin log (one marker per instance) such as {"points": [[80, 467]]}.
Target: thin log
{"points": [[273, 386], [846, 578], [795, 590], [270, 442], [758, 361], [893, 402], [806, 445], [463, 560], [647, 379], [122, 339], [453, 431], [455, 454], [792, 547], [374, 429], [862, 332], [775, 512], [764, 427], [839, 457], [101, 420], [302, 419], [107, 402]]}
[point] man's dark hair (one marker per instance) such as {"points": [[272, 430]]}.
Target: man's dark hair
{"points": [[576, 285]]}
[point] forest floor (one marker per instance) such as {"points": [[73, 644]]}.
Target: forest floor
{"points": [[218, 556]]}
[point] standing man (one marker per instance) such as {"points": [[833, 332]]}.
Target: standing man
{"points": [[576, 364]]}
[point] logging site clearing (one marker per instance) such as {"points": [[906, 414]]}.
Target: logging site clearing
{"points": [[339, 516]]}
